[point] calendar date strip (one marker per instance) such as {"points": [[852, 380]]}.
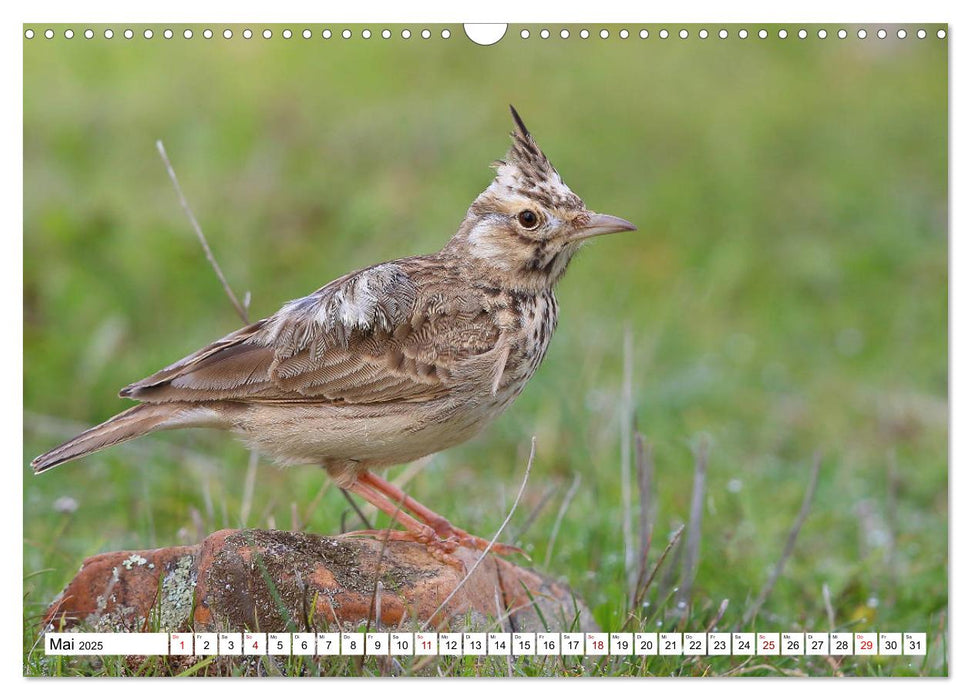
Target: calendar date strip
{"points": [[488, 644]]}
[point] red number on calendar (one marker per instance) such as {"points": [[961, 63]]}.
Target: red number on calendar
{"points": [[866, 645], [768, 644]]}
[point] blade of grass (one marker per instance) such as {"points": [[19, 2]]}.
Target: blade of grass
{"points": [[194, 668], [539, 611], [271, 586]]}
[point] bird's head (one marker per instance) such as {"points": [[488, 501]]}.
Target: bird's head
{"points": [[528, 224]]}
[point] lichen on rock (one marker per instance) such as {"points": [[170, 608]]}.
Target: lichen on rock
{"points": [[177, 594]]}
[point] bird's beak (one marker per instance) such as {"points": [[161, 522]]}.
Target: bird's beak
{"points": [[598, 224]]}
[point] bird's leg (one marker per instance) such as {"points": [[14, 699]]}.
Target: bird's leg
{"points": [[415, 531], [442, 527]]}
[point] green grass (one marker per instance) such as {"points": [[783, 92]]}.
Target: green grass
{"points": [[786, 294]]}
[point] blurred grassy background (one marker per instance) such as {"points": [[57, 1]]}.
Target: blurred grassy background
{"points": [[786, 292]]}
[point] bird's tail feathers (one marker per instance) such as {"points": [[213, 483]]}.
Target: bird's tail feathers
{"points": [[129, 424]]}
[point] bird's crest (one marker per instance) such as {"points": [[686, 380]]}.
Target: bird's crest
{"points": [[528, 172]]}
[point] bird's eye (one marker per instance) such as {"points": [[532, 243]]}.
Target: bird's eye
{"points": [[527, 219]]}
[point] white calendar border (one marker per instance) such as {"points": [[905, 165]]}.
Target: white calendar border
{"points": [[513, 11]]}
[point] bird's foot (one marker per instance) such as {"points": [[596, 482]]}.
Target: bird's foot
{"points": [[480, 544], [440, 548], [500, 548], [429, 518], [446, 531]]}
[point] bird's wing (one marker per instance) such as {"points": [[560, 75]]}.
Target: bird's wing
{"points": [[372, 336]]}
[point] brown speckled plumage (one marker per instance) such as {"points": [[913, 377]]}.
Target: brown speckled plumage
{"points": [[392, 362]]}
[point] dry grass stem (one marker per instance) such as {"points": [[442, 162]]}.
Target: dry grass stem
{"points": [[248, 486], [718, 615], [667, 586], [893, 491], [500, 616], [790, 542], [534, 513], [492, 542], [197, 524], [828, 603], [240, 308], [312, 508], [626, 423], [642, 591], [357, 509], [644, 461], [147, 507], [693, 544], [559, 518], [374, 610]]}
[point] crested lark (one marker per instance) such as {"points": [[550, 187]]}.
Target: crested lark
{"points": [[389, 363]]}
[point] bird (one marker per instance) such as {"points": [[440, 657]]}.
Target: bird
{"points": [[392, 362]]}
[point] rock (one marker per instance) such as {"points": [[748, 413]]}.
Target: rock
{"points": [[277, 581]]}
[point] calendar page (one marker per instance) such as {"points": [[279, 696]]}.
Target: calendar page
{"points": [[430, 349]]}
